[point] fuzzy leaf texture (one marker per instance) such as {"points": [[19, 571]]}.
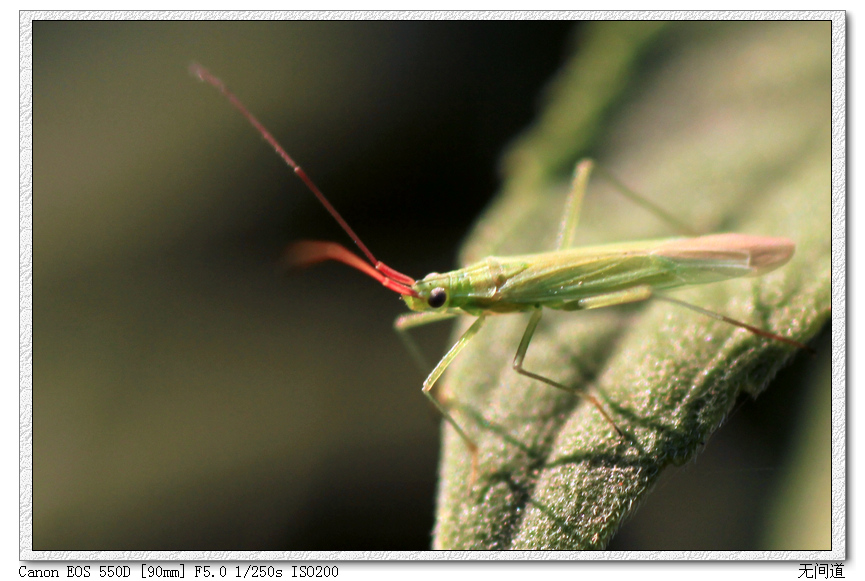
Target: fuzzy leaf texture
{"points": [[725, 124]]}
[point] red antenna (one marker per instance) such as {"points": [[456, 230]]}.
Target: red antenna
{"points": [[309, 252]]}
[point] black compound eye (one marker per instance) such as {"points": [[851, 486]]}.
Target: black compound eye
{"points": [[437, 297]]}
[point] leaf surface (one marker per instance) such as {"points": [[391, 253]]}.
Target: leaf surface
{"points": [[727, 126]]}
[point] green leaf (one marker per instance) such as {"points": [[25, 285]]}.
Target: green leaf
{"points": [[726, 125]]}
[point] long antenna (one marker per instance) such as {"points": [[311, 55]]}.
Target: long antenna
{"points": [[389, 273]]}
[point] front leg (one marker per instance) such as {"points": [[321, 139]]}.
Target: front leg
{"points": [[403, 323], [410, 320]]}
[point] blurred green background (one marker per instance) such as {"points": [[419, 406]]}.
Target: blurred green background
{"points": [[188, 393]]}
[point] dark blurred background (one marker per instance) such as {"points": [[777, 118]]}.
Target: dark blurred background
{"points": [[188, 393]]}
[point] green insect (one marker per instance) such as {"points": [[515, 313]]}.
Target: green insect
{"points": [[566, 278]]}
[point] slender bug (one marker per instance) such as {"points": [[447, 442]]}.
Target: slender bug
{"points": [[565, 278]]}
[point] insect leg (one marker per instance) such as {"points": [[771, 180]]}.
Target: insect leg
{"points": [[756, 330], [647, 204], [518, 367], [642, 293], [584, 168], [411, 320], [573, 205], [631, 295], [436, 373]]}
